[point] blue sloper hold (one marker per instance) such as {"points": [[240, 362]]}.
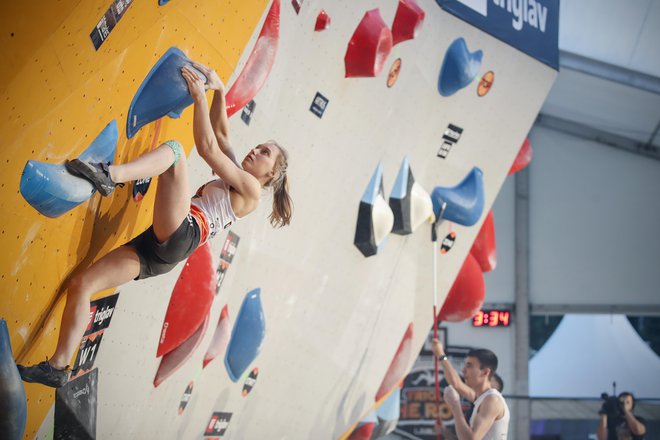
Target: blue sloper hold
{"points": [[52, 190], [459, 67], [369, 418], [465, 201], [13, 405], [390, 409], [246, 336], [163, 92]]}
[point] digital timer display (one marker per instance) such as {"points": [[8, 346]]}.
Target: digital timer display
{"points": [[492, 318]]}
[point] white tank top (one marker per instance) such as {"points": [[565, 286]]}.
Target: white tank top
{"points": [[214, 201], [500, 428]]}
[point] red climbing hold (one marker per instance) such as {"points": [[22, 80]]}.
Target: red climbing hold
{"points": [[483, 248], [190, 301], [220, 338], [407, 21], [523, 158], [322, 21], [175, 359], [466, 296], [369, 47], [363, 431], [399, 365], [258, 66]]}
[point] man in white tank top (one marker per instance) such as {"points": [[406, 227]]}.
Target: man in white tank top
{"points": [[490, 416]]}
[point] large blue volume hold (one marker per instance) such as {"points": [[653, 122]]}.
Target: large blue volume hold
{"points": [[247, 335], [52, 190], [13, 405], [163, 92], [465, 201]]}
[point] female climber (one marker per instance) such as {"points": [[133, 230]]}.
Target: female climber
{"points": [[180, 224]]}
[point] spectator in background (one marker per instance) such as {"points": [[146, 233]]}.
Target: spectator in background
{"points": [[490, 417], [617, 421]]}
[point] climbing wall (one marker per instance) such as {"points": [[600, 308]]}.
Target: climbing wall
{"points": [[296, 332]]}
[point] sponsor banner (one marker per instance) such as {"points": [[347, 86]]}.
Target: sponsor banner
{"points": [[419, 407], [100, 313], [248, 111], [89, 348], [319, 105], [229, 248], [226, 257], [108, 22], [531, 26], [250, 382], [448, 242], [450, 137], [140, 188], [187, 394], [218, 424]]}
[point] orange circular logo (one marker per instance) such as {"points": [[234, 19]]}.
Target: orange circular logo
{"points": [[486, 83], [394, 72]]}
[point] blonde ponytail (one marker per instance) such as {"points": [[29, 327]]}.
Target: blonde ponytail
{"points": [[282, 202]]}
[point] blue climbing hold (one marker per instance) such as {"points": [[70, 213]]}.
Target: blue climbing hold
{"points": [[390, 409], [465, 201], [459, 67], [13, 405], [404, 181], [247, 335], [52, 190], [375, 186], [369, 418], [163, 92]]}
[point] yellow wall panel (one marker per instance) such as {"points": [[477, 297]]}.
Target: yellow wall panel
{"points": [[58, 93]]}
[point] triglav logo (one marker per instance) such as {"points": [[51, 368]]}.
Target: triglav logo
{"points": [[100, 313], [103, 314], [531, 12]]}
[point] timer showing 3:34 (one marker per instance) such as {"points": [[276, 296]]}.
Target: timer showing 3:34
{"points": [[492, 318]]}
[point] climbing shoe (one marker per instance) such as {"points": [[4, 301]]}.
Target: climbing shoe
{"points": [[96, 173], [44, 374]]}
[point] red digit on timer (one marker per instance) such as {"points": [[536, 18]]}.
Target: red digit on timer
{"points": [[493, 318]]}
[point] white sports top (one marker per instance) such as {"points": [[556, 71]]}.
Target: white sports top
{"points": [[500, 428], [213, 200]]}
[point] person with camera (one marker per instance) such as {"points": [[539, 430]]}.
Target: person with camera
{"points": [[617, 421]]}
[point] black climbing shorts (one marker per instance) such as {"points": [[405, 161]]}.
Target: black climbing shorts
{"points": [[159, 258]]}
